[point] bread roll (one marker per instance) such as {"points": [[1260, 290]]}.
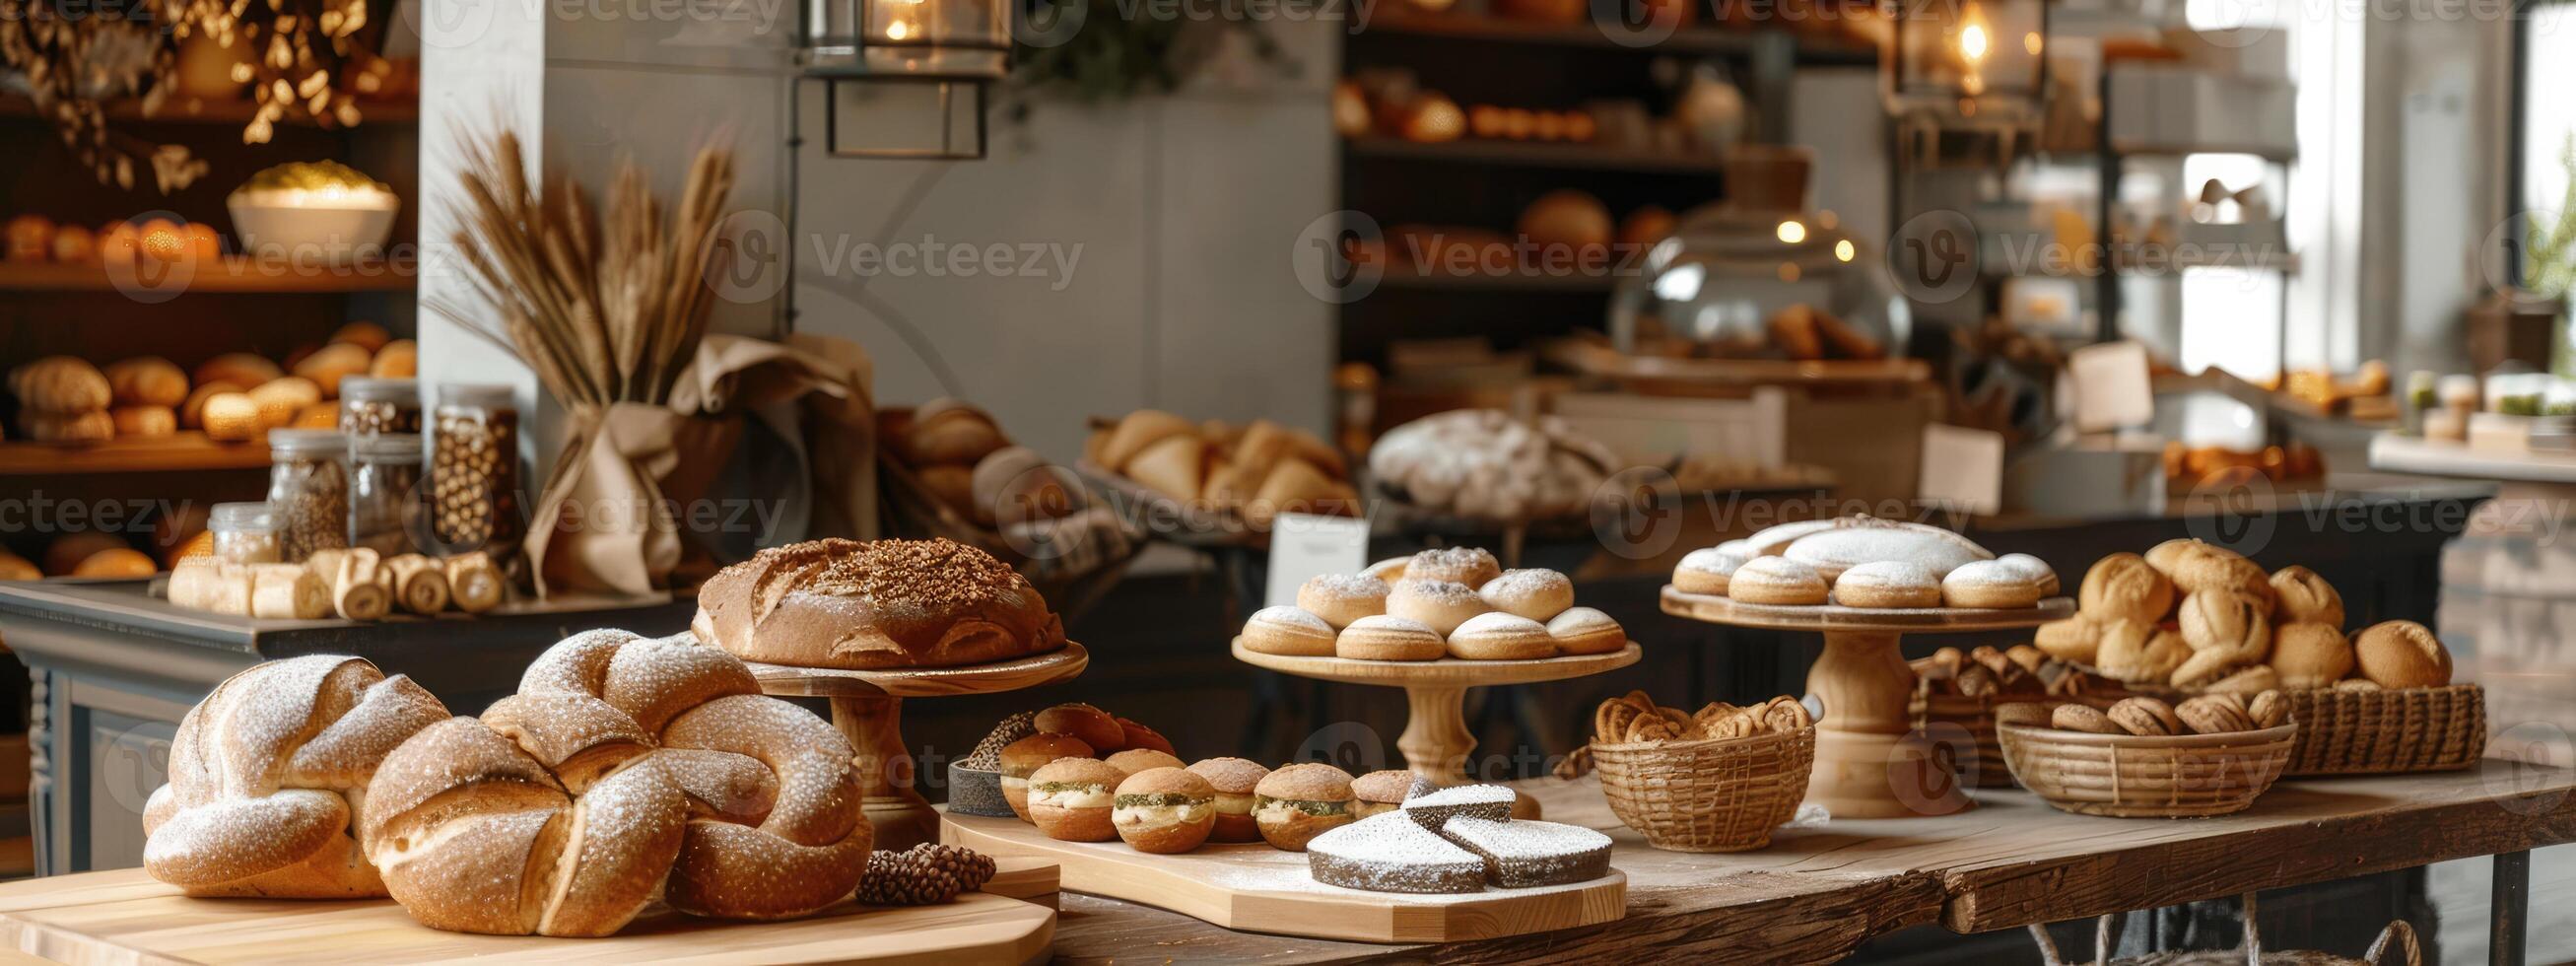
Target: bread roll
{"points": [[117, 562], [1140, 429], [280, 399], [950, 431], [288, 591], [14, 567], [192, 411], [419, 583], [2308, 654], [327, 364], [93, 426], [238, 368], [364, 335], [67, 551], [2402, 654], [883, 603], [210, 585], [145, 421], [1175, 466], [59, 385], [231, 417], [399, 359], [147, 381], [474, 585]]}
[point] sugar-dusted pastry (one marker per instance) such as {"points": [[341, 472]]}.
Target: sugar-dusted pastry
{"points": [[1390, 569], [1290, 631], [1164, 810], [1536, 593], [1480, 801], [1771, 541], [1443, 604], [2123, 586], [1705, 571], [1298, 802], [1472, 566], [1776, 580], [1386, 637], [1501, 637], [1342, 598], [1885, 584], [1233, 780], [1583, 630], [1523, 854], [1990, 584], [1863, 540], [1389, 853], [2034, 568]]}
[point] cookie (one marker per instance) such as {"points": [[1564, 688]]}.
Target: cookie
{"points": [[2268, 709], [1501, 637], [2082, 717], [2037, 571], [1776, 580], [1536, 593], [2145, 717], [1342, 598], [1388, 638], [1443, 604], [2214, 714], [1886, 584], [1290, 631], [1472, 566], [1990, 584], [1706, 571], [1583, 630]]}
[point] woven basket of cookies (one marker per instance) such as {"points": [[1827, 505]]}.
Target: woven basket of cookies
{"points": [[1718, 780], [2143, 758], [1956, 694]]}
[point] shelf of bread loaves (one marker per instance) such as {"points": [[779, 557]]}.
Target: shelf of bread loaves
{"points": [[1215, 483], [2189, 618], [1386, 831], [1452, 603], [1863, 563], [134, 411], [236, 274]]}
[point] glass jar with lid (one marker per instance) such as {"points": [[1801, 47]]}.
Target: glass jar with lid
{"points": [[384, 484], [244, 533], [369, 405], [308, 487], [474, 469]]}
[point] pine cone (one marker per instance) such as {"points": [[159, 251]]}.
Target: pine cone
{"points": [[922, 875]]}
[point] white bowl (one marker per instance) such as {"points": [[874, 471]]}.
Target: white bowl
{"points": [[336, 231]]}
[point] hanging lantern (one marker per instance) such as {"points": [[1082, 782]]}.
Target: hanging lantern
{"points": [[907, 78], [1968, 55]]}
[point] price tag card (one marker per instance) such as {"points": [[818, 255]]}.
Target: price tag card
{"points": [[2112, 387], [1963, 469], [1303, 545]]}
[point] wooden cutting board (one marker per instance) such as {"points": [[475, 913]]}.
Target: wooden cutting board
{"points": [[124, 916], [1254, 887]]}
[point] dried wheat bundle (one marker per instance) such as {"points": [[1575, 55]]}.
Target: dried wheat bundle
{"points": [[606, 305]]}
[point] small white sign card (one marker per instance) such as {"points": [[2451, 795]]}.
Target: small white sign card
{"points": [[2112, 387], [1304, 545], [1963, 469]]}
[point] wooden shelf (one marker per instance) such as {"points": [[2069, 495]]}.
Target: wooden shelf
{"points": [[191, 110], [1541, 154], [1407, 277], [1688, 40], [235, 273], [185, 452]]}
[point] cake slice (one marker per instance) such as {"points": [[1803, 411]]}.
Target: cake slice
{"points": [[1518, 855], [1391, 853], [1482, 801]]}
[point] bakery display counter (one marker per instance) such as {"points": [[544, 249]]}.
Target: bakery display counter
{"points": [[1819, 891], [113, 668]]}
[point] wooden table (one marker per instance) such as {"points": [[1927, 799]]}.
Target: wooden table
{"points": [[1816, 893]]}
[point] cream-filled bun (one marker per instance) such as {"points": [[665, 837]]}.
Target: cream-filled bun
{"points": [[1136, 760], [1024, 757], [1164, 810], [1071, 799], [1298, 802], [1233, 780]]}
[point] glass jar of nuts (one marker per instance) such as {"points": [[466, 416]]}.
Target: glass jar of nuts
{"points": [[308, 487], [244, 533], [384, 480], [369, 406], [474, 470]]}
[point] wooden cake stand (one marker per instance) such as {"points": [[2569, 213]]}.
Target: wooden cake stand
{"points": [[1869, 761], [868, 708], [1436, 741]]}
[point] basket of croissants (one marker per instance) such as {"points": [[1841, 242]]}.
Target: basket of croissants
{"points": [[1715, 780], [1215, 483]]}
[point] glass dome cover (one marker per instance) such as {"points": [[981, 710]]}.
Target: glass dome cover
{"points": [[1733, 284]]}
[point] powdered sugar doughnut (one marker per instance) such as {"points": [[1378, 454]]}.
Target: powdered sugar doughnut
{"points": [[1342, 598], [2039, 572]]}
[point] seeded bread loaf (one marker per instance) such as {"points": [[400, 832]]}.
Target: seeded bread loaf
{"points": [[875, 604]]}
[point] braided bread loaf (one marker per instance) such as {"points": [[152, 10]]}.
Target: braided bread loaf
{"points": [[267, 772], [624, 767]]}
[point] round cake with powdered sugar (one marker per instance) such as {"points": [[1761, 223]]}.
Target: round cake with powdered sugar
{"points": [[861, 605], [1391, 853]]}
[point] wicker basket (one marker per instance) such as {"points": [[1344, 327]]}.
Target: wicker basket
{"points": [[1713, 795], [2128, 776], [1954, 721], [2377, 732]]}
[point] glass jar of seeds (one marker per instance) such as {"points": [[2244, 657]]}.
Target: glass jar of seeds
{"points": [[308, 487], [384, 480], [244, 533], [474, 469], [369, 406]]}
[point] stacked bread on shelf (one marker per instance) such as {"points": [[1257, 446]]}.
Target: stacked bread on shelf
{"points": [[1483, 464], [349, 583], [857, 605], [997, 494], [1256, 471], [62, 400], [1865, 562], [2198, 617], [232, 397], [1449, 602]]}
